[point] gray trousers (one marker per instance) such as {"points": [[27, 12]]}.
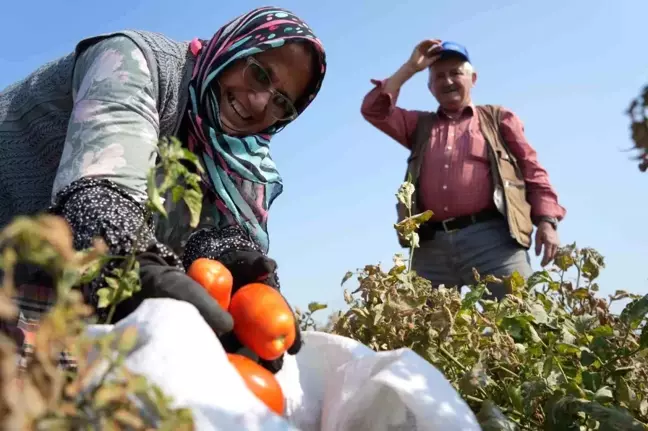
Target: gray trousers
{"points": [[448, 259]]}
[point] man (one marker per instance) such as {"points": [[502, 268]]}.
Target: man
{"points": [[473, 167]]}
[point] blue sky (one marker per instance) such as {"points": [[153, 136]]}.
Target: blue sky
{"points": [[568, 69]]}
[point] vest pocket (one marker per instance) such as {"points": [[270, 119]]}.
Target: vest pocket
{"points": [[519, 208], [509, 165]]}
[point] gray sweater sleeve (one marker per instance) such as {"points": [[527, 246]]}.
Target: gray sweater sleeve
{"points": [[114, 127], [110, 147]]}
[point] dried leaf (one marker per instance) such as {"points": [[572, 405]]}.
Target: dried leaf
{"points": [[346, 277]]}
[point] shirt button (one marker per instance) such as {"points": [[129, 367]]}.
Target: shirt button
{"points": [[445, 209], [449, 147], [445, 187], [446, 166]]}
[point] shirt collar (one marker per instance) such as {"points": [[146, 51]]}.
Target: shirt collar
{"points": [[468, 110]]}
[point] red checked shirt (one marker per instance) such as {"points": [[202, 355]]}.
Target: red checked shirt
{"points": [[455, 174]]}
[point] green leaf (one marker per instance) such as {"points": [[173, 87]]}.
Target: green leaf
{"points": [[515, 394], [316, 306], [581, 293], [540, 277], [604, 395], [514, 283], [191, 157], [421, 218], [472, 297], [405, 193], [520, 329], [635, 312], [177, 192], [643, 338], [409, 225], [592, 381], [346, 277], [588, 358], [155, 200], [603, 331], [611, 418], [626, 395], [92, 271], [538, 312], [565, 413], [193, 200], [105, 297], [622, 294], [547, 366], [585, 323], [567, 349], [593, 262], [564, 261]]}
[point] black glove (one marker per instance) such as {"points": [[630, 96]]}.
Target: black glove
{"points": [[250, 267], [161, 280]]}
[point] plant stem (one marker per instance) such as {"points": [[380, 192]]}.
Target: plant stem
{"points": [[411, 251], [617, 356], [578, 269], [506, 370], [452, 358]]}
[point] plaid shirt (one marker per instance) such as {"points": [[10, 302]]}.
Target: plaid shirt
{"points": [[33, 302]]}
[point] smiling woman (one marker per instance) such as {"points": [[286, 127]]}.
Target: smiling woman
{"points": [[79, 136], [263, 90]]}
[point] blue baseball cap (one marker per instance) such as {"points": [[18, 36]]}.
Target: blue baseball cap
{"points": [[453, 48]]}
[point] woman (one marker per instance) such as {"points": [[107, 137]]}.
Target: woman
{"points": [[81, 132]]}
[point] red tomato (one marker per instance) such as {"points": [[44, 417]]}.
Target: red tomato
{"points": [[260, 381], [215, 278], [263, 320]]}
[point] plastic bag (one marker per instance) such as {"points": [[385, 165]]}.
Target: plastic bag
{"points": [[333, 384]]}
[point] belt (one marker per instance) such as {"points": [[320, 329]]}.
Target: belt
{"points": [[428, 229]]}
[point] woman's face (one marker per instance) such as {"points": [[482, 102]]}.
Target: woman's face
{"points": [[259, 91]]}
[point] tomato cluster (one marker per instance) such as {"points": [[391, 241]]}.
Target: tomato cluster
{"points": [[263, 322]]}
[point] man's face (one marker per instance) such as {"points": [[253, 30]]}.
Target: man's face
{"points": [[450, 81]]}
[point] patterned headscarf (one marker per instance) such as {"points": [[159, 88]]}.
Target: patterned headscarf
{"points": [[242, 176]]}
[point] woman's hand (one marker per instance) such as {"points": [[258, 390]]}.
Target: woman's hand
{"points": [[250, 267], [160, 280]]}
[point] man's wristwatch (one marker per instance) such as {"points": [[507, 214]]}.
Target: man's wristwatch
{"points": [[553, 221]]}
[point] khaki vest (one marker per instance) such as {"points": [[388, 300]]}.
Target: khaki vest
{"points": [[509, 186]]}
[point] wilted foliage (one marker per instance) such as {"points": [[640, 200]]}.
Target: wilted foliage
{"points": [[101, 393], [639, 127], [551, 355]]}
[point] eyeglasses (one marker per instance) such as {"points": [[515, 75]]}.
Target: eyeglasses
{"points": [[258, 79]]}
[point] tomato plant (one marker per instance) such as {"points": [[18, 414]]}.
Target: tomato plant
{"points": [[260, 381], [215, 278], [263, 321]]}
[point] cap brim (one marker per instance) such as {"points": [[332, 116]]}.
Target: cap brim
{"points": [[448, 53]]}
